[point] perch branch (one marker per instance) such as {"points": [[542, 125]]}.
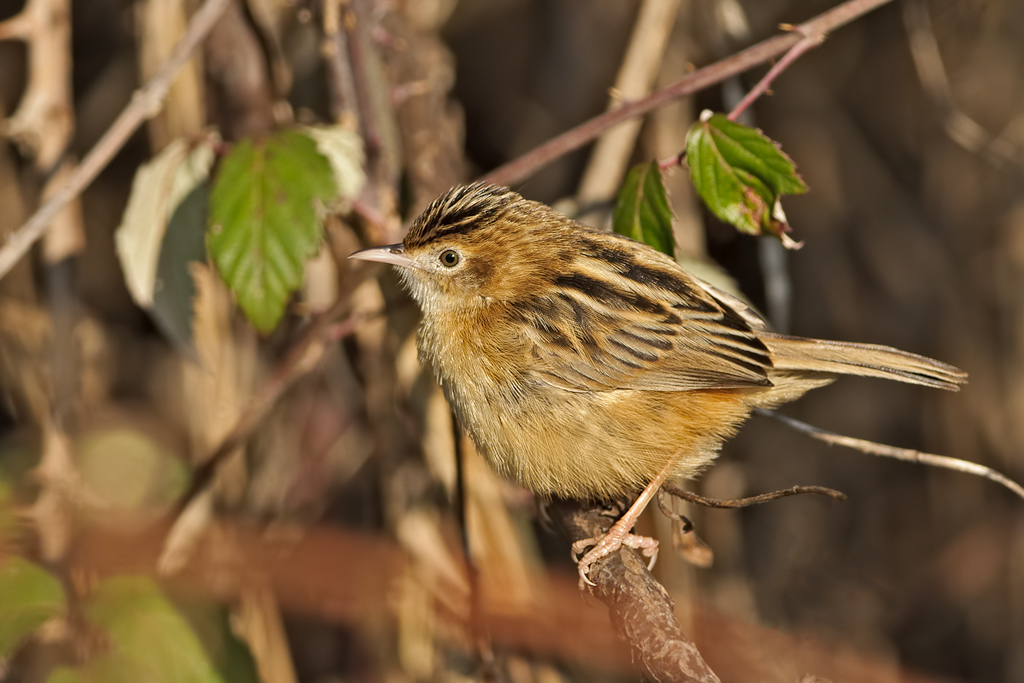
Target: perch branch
{"points": [[640, 607], [145, 103]]}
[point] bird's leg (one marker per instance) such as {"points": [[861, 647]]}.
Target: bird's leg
{"points": [[619, 535]]}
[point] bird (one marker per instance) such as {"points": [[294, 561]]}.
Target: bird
{"points": [[589, 366]]}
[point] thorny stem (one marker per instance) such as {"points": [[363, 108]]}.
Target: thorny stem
{"points": [[523, 167]]}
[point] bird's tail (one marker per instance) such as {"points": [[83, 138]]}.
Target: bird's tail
{"points": [[797, 355]]}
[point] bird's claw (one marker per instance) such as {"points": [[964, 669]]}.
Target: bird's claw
{"points": [[607, 545]]}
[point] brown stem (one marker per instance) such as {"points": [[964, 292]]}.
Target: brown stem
{"points": [[998, 150], [144, 104], [805, 44], [301, 358], [679, 492], [521, 168], [641, 609], [339, 71]]}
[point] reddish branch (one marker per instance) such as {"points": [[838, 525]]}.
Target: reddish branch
{"points": [[521, 168]]}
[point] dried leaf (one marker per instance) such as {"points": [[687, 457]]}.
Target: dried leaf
{"points": [[186, 533], [159, 187], [344, 151]]}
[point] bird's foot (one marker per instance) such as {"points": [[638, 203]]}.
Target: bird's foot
{"points": [[619, 535]]}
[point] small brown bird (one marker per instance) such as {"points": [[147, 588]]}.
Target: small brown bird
{"points": [[589, 366]]}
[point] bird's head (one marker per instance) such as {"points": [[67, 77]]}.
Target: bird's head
{"points": [[477, 244]]}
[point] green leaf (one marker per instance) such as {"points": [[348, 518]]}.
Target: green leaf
{"points": [[147, 639], [741, 175], [264, 222], [29, 596], [642, 212], [65, 674], [211, 622]]}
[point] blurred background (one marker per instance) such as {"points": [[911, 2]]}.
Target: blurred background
{"points": [[328, 546]]}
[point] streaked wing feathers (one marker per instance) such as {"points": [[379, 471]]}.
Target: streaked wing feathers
{"points": [[620, 319]]}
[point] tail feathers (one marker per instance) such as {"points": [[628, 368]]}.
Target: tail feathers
{"points": [[794, 354]]}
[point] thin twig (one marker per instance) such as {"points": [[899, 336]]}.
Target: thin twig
{"points": [[809, 40], [679, 492], [145, 104], [905, 454], [521, 168], [806, 43], [340, 81], [301, 359]]}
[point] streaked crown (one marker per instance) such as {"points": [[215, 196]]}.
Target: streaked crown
{"points": [[459, 211]]}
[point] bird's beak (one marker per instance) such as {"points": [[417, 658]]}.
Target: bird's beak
{"points": [[392, 253]]}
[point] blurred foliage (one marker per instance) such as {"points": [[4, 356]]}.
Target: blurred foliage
{"points": [[30, 596], [144, 639]]}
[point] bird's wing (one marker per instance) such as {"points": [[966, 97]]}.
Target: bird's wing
{"points": [[633, 322]]}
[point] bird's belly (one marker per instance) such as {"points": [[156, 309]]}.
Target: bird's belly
{"points": [[598, 444]]}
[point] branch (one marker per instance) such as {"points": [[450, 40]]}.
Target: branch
{"points": [[905, 454], [678, 491], [145, 103], [302, 358], [521, 168], [641, 609], [42, 123], [809, 41], [194, 510]]}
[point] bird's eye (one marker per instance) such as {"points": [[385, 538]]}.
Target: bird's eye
{"points": [[450, 258]]}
